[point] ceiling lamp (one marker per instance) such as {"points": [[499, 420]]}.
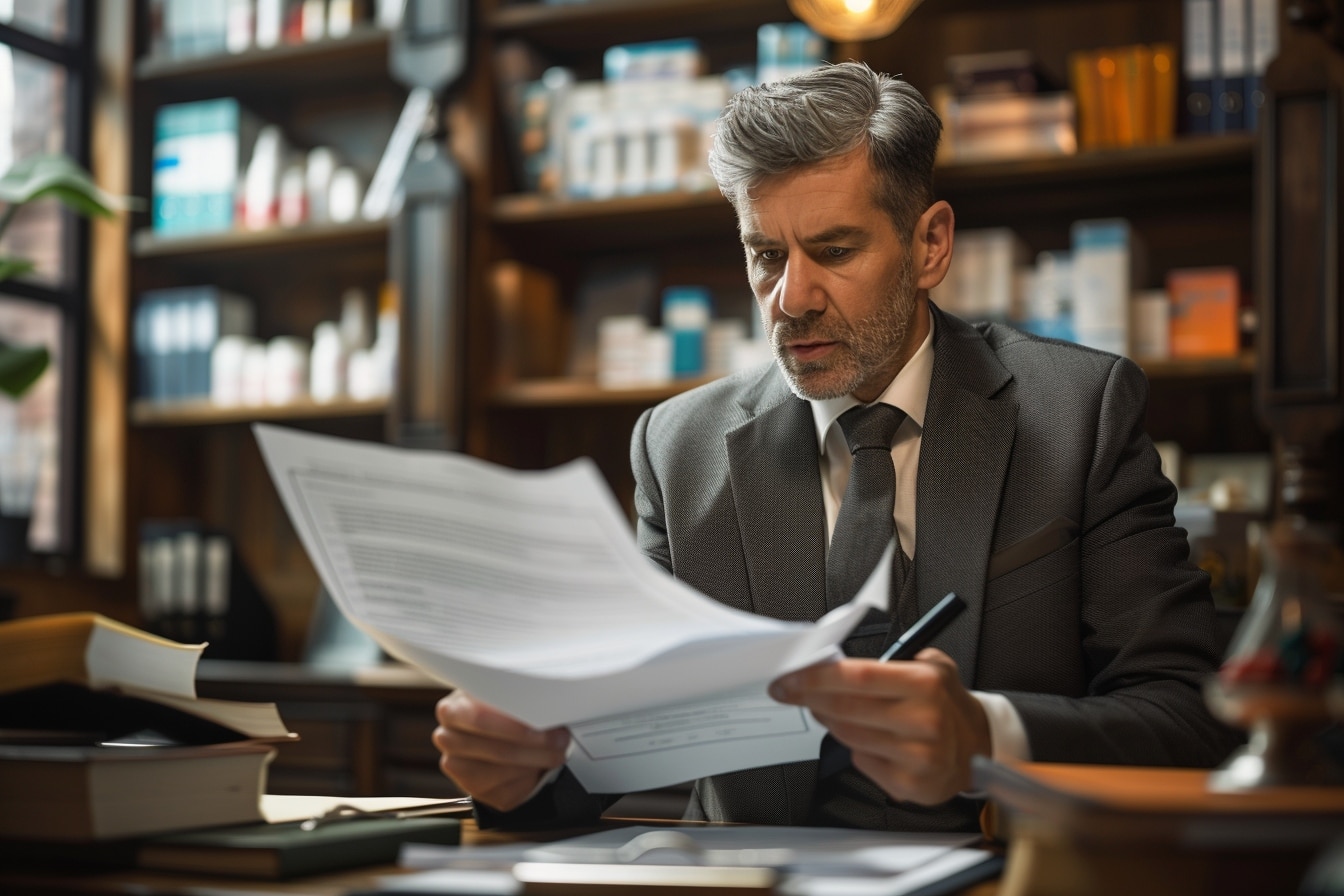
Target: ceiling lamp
{"points": [[853, 19]]}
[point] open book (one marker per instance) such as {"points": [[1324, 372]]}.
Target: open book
{"points": [[527, 590]]}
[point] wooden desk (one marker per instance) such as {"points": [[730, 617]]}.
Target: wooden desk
{"points": [[68, 882]]}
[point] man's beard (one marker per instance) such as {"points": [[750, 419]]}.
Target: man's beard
{"points": [[861, 350]]}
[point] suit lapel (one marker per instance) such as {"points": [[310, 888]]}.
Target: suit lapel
{"points": [[772, 463], [963, 457]]}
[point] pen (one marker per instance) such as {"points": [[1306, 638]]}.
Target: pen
{"points": [[834, 755], [918, 636]]}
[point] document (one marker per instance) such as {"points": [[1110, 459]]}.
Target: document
{"points": [[526, 589]]}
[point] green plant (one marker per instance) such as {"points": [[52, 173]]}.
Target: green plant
{"points": [[46, 175]]}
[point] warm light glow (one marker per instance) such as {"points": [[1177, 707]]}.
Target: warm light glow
{"points": [[853, 19]]}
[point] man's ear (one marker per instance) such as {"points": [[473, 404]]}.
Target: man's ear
{"points": [[933, 244]]}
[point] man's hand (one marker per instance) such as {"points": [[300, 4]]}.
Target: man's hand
{"points": [[911, 726], [494, 758]]}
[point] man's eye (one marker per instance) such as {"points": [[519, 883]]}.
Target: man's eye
{"points": [[836, 252], [769, 255]]}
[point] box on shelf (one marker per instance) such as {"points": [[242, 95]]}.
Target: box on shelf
{"points": [[1205, 303], [200, 152]]}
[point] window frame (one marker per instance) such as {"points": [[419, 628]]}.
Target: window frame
{"points": [[70, 297]]}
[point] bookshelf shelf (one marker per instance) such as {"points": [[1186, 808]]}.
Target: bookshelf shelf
{"points": [[562, 392], [203, 413], [558, 392], [238, 244], [1178, 158], [625, 221], [358, 56], [590, 25], [1243, 365], [1118, 168]]}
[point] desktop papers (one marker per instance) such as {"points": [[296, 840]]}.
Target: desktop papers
{"points": [[810, 861], [527, 590]]}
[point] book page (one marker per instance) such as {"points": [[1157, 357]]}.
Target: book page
{"points": [[527, 590]]}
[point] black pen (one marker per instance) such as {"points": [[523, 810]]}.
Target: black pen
{"points": [[834, 755], [918, 636]]}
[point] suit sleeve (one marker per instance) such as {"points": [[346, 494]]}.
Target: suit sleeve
{"points": [[650, 524], [1146, 616]]}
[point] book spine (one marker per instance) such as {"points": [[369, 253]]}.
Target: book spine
{"points": [[1198, 65], [1234, 60], [1264, 38]]}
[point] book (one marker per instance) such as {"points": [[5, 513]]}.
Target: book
{"points": [[94, 651], [1015, 72], [86, 677], [1264, 38], [276, 851], [982, 128], [1233, 66], [1198, 64], [101, 792]]}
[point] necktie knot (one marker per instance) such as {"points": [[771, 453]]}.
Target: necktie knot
{"points": [[871, 426]]}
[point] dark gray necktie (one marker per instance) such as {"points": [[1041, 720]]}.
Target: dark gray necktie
{"points": [[865, 524]]}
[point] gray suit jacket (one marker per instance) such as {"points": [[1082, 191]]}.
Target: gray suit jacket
{"points": [[1040, 501]]}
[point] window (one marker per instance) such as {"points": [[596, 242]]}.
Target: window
{"points": [[44, 73]]}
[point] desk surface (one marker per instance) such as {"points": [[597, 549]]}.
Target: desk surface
{"points": [[72, 882]]}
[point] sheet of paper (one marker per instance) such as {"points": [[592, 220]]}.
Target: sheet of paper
{"points": [[527, 590]]}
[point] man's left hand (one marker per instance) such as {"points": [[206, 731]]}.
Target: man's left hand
{"points": [[911, 726]]}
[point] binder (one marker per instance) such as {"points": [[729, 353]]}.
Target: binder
{"points": [[1264, 41], [1234, 63], [1198, 65]]}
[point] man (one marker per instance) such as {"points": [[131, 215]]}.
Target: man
{"points": [[1023, 482]]}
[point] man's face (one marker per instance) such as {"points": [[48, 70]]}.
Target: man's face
{"points": [[834, 280]]}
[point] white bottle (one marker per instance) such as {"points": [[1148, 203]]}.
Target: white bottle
{"points": [[327, 364]]}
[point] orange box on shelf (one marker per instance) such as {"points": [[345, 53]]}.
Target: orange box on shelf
{"points": [[1204, 307]]}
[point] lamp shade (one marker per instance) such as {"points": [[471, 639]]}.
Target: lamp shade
{"points": [[853, 19]]}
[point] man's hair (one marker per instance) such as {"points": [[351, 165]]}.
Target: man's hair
{"points": [[827, 112]]}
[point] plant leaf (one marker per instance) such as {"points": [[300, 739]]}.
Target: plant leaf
{"points": [[58, 176], [13, 267], [20, 366]]}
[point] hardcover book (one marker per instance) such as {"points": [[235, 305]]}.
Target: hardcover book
{"points": [[288, 850]]}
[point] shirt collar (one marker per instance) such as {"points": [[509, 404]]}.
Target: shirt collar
{"points": [[909, 392]]}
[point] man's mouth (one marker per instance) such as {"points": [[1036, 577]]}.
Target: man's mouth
{"points": [[810, 350]]}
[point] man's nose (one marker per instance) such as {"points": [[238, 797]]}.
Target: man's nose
{"points": [[799, 290]]}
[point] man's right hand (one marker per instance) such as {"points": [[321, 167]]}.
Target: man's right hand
{"points": [[492, 757]]}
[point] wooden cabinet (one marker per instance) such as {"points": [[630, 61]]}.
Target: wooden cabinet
{"points": [[362, 732], [1189, 202]]}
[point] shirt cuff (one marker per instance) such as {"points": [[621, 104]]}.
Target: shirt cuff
{"points": [[1007, 734]]}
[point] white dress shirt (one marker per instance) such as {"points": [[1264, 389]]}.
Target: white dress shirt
{"points": [[909, 392]]}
